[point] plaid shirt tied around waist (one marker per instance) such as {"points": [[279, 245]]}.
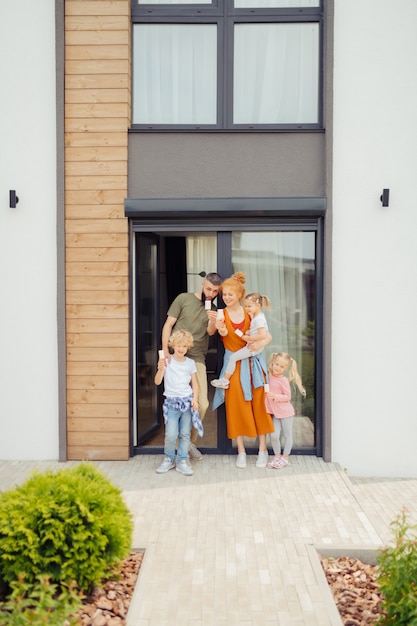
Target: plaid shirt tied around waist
{"points": [[183, 405]]}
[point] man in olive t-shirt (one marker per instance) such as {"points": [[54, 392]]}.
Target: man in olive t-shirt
{"points": [[187, 312]]}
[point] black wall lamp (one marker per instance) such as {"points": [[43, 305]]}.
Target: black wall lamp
{"points": [[385, 197], [13, 199]]}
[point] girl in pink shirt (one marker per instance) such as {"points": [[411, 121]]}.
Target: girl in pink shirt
{"points": [[278, 404]]}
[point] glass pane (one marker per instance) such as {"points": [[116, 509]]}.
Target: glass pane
{"points": [[281, 265], [174, 74], [201, 256], [174, 1], [148, 419], [276, 73], [276, 4]]}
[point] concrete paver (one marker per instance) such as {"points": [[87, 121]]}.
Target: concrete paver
{"points": [[237, 547]]}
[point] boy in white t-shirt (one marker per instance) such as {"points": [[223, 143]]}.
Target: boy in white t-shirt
{"points": [[180, 404]]}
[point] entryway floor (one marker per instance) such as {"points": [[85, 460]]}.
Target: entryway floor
{"points": [[232, 547]]}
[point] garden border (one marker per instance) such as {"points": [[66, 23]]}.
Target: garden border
{"points": [[366, 554]]}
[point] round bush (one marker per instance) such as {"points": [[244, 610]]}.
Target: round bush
{"points": [[71, 525]]}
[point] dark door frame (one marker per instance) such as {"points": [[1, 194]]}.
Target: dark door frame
{"points": [[223, 215]]}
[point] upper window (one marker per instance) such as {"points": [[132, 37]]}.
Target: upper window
{"points": [[242, 65]]}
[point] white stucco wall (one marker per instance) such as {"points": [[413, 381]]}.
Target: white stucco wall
{"points": [[374, 334], [28, 324]]}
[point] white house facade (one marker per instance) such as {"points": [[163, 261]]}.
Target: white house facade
{"points": [[61, 395]]}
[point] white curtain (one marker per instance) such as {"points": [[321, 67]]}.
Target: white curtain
{"points": [[279, 265], [201, 257], [175, 74], [276, 73], [277, 4]]}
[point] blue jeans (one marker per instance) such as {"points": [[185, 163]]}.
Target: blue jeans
{"points": [[178, 424]]}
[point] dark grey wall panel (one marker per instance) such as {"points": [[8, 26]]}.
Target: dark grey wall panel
{"points": [[226, 165]]}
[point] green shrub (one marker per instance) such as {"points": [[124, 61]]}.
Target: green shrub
{"points": [[70, 525], [39, 604], [397, 575]]}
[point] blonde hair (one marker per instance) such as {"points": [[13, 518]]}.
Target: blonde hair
{"points": [[236, 283], [292, 368], [258, 299], [183, 337]]}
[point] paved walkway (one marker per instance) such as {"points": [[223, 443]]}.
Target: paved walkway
{"points": [[237, 547]]}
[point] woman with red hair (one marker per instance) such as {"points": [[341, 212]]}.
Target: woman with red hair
{"points": [[244, 399]]}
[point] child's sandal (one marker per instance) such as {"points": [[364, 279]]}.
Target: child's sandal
{"points": [[278, 462], [274, 464]]}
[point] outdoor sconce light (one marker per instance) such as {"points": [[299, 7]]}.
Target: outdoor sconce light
{"points": [[13, 199], [385, 197]]}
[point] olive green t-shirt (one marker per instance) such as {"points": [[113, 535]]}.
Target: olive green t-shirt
{"points": [[192, 316]]}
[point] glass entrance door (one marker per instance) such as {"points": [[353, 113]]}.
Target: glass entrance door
{"points": [[282, 265], [278, 263]]}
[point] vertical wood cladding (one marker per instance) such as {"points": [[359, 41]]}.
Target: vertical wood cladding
{"points": [[97, 118]]}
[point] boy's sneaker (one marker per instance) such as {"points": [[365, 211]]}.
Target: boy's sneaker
{"points": [[194, 453], [183, 467], [165, 466], [221, 383]]}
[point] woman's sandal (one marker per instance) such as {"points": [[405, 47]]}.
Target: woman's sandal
{"points": [[278, 462]]}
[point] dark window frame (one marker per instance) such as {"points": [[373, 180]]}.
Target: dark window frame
{"points": [[225, 16]]}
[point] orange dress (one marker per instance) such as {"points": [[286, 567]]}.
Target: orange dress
{"points": [[243, 417]]}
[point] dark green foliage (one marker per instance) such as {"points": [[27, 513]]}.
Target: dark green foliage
{"points": [[397, 575], [70, 525], [40, 604]]}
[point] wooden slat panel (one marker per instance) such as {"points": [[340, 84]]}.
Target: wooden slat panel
{"points": [[100, 453], [104, 368], [87, 139], [93, 326], [88, 411], [95, 196], [97, 297], [98, 354], [97, 254], [99, 240], [118, 438], [96, 96], [95, 168], [98, 211], [90, 52], [95, 424], [97, 396], [95, 312], [97, 7], [97, 153], [96, 182], [97, 382], [91, 109], [98, 226], [97, 36], [97, 119], [96, 66], [97, 269], [98, 81], [95, 124], [93, 23], [96, 340], [94, 283]]}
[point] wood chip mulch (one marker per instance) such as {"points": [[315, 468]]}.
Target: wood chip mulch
{"points": [[109, 603], [355, 590]]}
